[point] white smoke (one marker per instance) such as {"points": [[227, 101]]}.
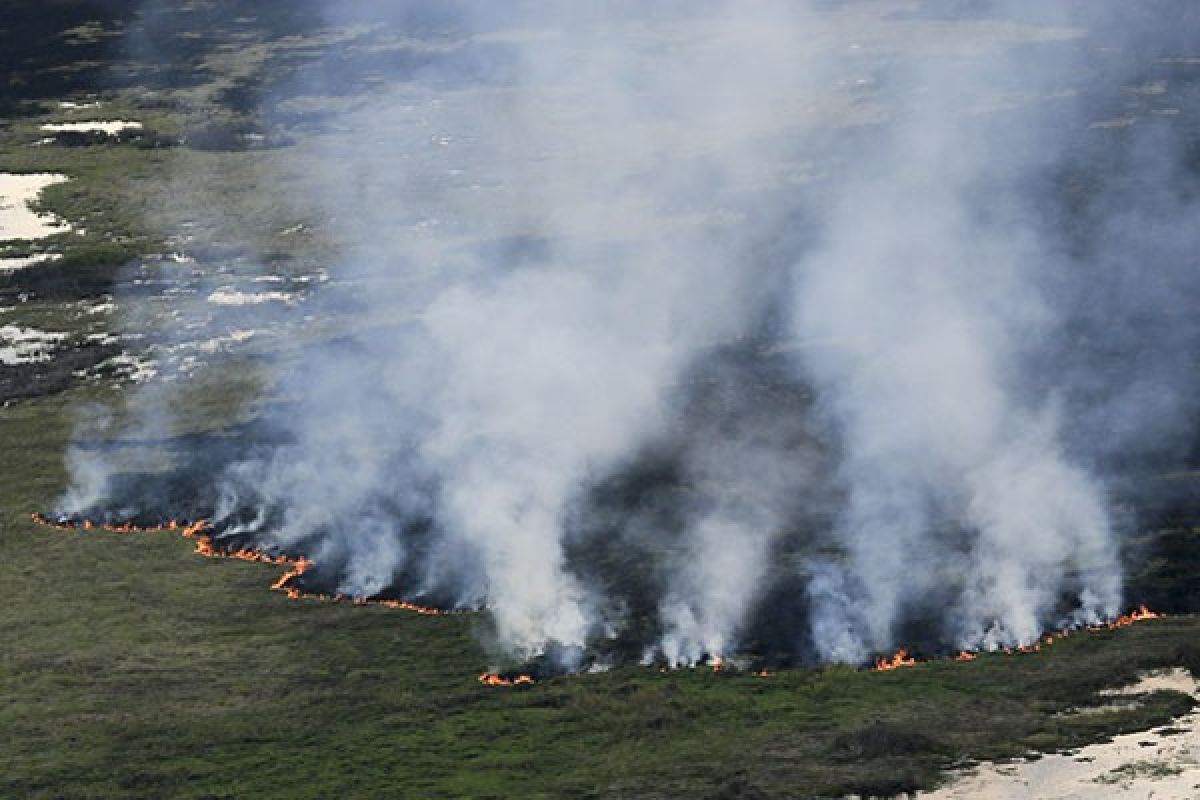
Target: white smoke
{"points": [[562, 213], [919, 311], [531, 380]]}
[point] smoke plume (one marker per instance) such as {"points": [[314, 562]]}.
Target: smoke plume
{"points": [[722, 326]]}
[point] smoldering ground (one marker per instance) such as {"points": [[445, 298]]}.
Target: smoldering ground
{"points": [[676, 333]]}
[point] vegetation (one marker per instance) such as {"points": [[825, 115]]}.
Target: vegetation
{"points": [[132, 668], [136, 669]]}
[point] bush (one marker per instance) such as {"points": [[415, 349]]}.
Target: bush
{"points": [[882, 740]]}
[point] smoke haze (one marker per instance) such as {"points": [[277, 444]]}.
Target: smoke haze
{"points": [[676, 332]]}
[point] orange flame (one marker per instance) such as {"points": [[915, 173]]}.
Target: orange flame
{"points": [[207, 547], [901, 659], [1140, 614], [496, 679]]}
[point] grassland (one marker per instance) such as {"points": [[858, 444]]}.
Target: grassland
{"points": [[133, 668]]}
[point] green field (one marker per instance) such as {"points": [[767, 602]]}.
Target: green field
{"points": [[133, 668]]}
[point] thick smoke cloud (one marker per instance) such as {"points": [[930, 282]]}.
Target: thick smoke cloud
{"points": [[817, 261]]}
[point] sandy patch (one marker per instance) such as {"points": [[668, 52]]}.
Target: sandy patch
{"points": [[26, 345], [1162, 764], [110, 127], [17, 219], [129, 367], [14, 264], [106, 307], [1162, 680]]}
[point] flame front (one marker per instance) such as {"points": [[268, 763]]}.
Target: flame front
{"points": [[298, 566], [496, 679], [901, 659], [1140, 614], [207, 547]]}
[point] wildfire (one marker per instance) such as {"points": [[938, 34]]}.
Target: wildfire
{"points": [[297, 566], [206, 546], [124, 527], [901, 659], [1140, 614], [496, 679]]}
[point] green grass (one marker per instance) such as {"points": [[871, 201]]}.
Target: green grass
{"points": [[134, 668]]}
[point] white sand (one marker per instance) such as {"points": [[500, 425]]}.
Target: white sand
{"points": [[17, 219], [110, 127], [1140, 766], [26, 345], [106, 307], [14, 264], [131, 367]]}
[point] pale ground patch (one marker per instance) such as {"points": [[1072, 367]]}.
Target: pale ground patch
{"points": [[220, 342], [17, 219], [14, 264], [1162, 764], [26, 345], [103, 308], [130, 367], [110, 127]]}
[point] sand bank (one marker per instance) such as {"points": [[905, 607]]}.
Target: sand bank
{"points": [[17, 219], [110, 127], [1163, 764]]}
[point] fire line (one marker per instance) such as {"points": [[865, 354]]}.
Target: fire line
{"points": [[903, 659], [298, 565], [207, 547]]}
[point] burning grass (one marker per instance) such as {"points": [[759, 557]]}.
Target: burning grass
{"points": [[117, 681], [207, 546], [298, 566], [902, 658]]}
